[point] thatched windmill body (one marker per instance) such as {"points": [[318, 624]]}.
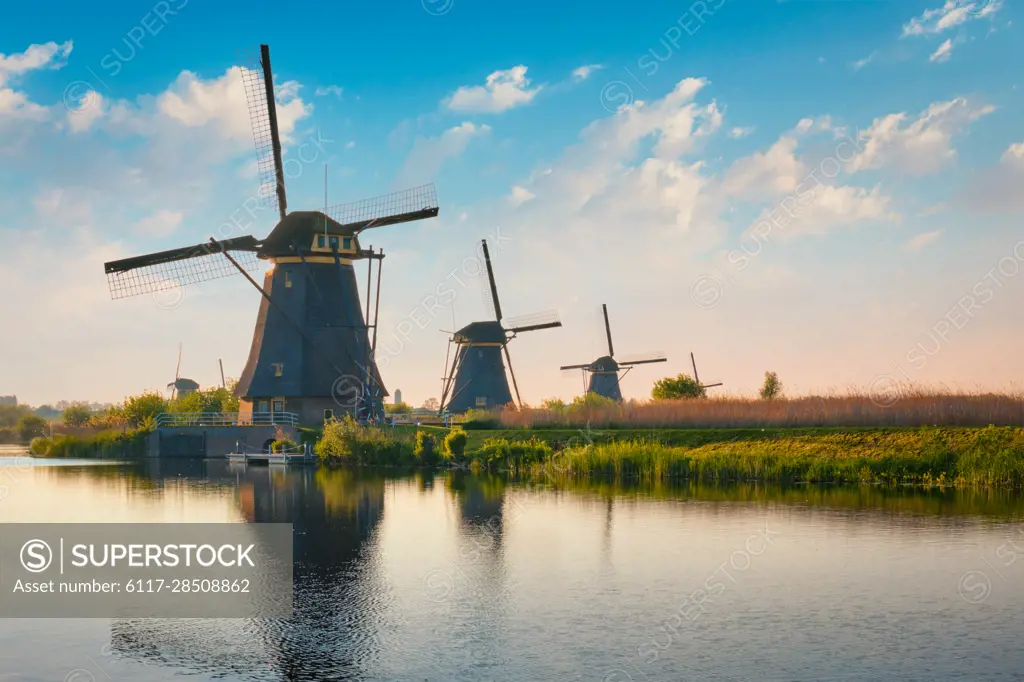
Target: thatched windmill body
{"points": [[476, 378], [604, 372], [311, 351]]}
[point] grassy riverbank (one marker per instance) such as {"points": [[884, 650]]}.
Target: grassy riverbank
{"points": [[110, 444], [958, 456]]}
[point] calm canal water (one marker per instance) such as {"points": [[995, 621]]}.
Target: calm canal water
{"points": [[457, 577]]}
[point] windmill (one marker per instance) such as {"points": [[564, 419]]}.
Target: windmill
{"points": [[181, 386], [311, 350], [476, 377], [696, 377], [604, 372]]}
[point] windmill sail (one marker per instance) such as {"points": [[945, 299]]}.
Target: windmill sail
{"points": [[642, 359], [258, 81], [177, 267]]}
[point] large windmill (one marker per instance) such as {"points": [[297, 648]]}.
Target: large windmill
{"points": [[476, 378], [604, 372], [311, 350]]}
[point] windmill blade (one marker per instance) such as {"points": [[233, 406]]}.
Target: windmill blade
{"points": [[643, 359], [529, 323], [712, 385], [177, 267], [608, 330], [568, 367], [515, 385], [258, 81], [694, 363], [177, 372], [490, 279], [406, 206]]}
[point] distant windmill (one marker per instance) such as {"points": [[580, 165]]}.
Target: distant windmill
{"points": [[476, 378], [181, 386], [311, 348], [604, 372], [697, 378]]}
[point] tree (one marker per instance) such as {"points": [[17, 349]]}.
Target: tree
{"points": [[553, 404], [432, 404], [674, 388], [397, 408], [772, 387], [136, 409], [77, 414], [31, 426]]}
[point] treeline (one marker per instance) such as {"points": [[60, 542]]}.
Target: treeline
{"points": [[21, 424]]}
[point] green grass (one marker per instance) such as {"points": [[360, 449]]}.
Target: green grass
{"points": [[954, 456], [112, 444]]}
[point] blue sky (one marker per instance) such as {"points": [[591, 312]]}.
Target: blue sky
{"points": [[673, 161]]}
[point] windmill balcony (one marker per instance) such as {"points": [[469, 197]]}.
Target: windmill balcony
{"points": [[185, 419]]}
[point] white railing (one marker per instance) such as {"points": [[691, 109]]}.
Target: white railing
{"points": [[180, 419]]}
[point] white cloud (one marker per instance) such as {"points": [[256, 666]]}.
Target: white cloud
{"points": [[583, 72], [429, 153], [823, 210], [334, 90], [944, 52], [999, 188], [503, 90], [766, 175], [918, 146], [160, 224], [221, 104], [49, 55], [92, 107], [738, 132], [861, 63], [520, 195], [1014, 154], [919, 241], [16, 105], [951, 14]]}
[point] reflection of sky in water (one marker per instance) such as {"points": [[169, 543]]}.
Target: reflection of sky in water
{"points": [[473, 579]]}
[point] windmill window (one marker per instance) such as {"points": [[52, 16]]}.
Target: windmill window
{"points": [[334, 243], [328, 415], [287, 280], [263, 406], [278, 406], [481, 401], [347, 243], [278, 369], [320, 241]]}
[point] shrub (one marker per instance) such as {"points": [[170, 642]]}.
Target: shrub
{"points": [[283, 445], [455, 444], [41, 446], [480, 420], [674, 388], [514, 455], [9, 435], [426, 449], [346, 442], [137, 408]]}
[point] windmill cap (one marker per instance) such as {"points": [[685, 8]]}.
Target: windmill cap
{"points": [[299, 227], [604, 363], [481, 332]]}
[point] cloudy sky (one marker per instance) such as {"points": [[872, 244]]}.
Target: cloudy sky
{"points": [[829, 190]]}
